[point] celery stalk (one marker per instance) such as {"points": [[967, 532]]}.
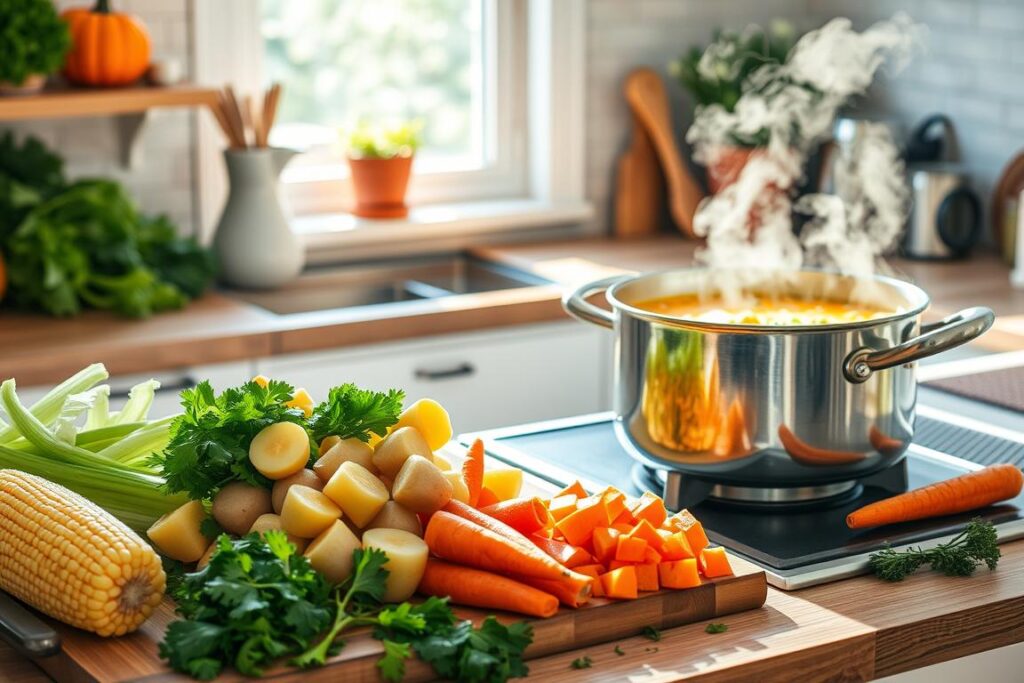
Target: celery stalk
{"points": [[140, 444], [46, 409]]}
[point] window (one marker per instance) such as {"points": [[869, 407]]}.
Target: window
{"points": [[452, 65]]}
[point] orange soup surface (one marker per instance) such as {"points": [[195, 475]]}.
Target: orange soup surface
{"points": [[757, 309]]}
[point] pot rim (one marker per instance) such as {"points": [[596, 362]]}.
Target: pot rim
{"points": [[910, 292]]}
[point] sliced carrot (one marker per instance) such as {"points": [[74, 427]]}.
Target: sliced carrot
{"points": [[685, 521], [620, 583], [575, 488], [644, 530], [630, 549], [647, 577], [478, 588], [563, 592], [605, 541], [579, 526], [714, 563], [525, 515], [675, 546], [651, 508], [679, 574], [487, 498], [565, 554], [562, 506], [473, 471]]}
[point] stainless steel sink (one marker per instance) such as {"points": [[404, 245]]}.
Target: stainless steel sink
{"points": [[387, 282]]}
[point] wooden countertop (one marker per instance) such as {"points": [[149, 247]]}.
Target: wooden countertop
{"points": [[217, 328]]}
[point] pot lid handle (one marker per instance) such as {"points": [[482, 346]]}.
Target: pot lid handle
{"points": [[576, 304]]}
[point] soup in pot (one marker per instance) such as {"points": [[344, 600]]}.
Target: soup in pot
{"points": [[758, 309]]}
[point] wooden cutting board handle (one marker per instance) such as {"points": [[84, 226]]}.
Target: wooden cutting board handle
{"points": [[639, 189], [646, 96]]}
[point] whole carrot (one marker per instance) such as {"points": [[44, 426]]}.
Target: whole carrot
{"points": [[563, 553], [525, 515], [473, 471], [566, 593], [478, 588], [960, 494], [481, 518]]}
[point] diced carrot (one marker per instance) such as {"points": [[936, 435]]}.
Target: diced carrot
{"points": [[652, 556], [630, 549], [685, 521], [562, 506], [615, 564], [620, 583], [567, 555], [643, 529], [605, 542], [714, 563], [487, 497], [625, 517], [679, 574], [622, 528], [614, 502], [579, 526], [651, 508], [647, 577], [566, 593], [575, 488], [592, 570], [675, 546]]}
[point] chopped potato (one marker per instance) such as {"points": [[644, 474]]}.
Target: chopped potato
{"points": [[358, 491], [460, 491], [392, 452], [280, 450], [281, 486], [420, 486], [237, 505], [326, 444], [505, 483], [394, 516], [330, 553], [177, 534], [272, 522], [352, 450], [430, 419], [407, 559], [303, 401], [261, 380], [306, 512], [442, 462]]}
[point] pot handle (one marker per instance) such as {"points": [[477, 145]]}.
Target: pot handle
{"points": [[576, 304], [952, 331]]}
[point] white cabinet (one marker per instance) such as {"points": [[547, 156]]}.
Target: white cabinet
{"points": [[485, 379]]}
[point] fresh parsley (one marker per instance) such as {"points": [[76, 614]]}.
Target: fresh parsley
{"points": [[209, 441], [582, 663], [651, 633], [354, 413], [716, 628], [975, 545], [619, 651]]}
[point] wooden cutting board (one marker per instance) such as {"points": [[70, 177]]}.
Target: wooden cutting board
{"points": [[88, 658]]}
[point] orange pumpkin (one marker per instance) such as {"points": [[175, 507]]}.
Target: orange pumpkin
{"points": [[107, 48]]}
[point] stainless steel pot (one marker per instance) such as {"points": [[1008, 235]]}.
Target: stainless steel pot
{"points": [[769, 413]]}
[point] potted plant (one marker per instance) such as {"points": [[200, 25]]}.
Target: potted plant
{"points": [[33, 43], [718, 75], [381, 159]]}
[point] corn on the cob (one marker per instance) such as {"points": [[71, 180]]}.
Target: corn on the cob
{"points": [[72, 560]]}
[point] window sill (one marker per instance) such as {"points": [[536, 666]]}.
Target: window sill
{"points": [[342, 237]]}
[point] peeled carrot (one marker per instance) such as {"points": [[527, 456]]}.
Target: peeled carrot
{"points": [[568, 555], [525, 515], [481, 518], [473, 471], [477, 588], [487, 498], [564, 592], [969, 491]]}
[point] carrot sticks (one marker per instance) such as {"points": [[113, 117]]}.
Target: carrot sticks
{"points": [[477, 588], [960, 494]]}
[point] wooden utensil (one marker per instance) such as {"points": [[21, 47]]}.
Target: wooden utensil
{"points": [[649, 102], [247, 124], [639, 187]]}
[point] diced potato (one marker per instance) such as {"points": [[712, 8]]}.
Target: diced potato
{"points": [[261, 380], [205, 559], [394, 516], [327, 443], [272, 522], [237, 505], [420, 486], [430, 420], [460, 491], [303, 401], [307, 512], [330, 553], [443, 463], [281, 486], [393, 451], [280, 450], [407, 558], [348, 450], [505, 483], [358, 491], [177, 534]]}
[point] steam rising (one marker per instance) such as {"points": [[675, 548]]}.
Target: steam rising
{"points": [[749, 224]]}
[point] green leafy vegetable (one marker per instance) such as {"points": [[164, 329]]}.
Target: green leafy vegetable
{"points": [[651, 633], [33, 39], [351, 412], [29, 173], [716, 628], [209, 442], [975, 545], [582, 663]]}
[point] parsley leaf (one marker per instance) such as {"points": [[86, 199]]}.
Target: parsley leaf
{"points": [[392, 664], [582, 663], [651, 633], [716, 628], [354, 413], [619, 651]]}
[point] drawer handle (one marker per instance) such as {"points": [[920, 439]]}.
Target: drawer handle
{"points": [[460, 370]]}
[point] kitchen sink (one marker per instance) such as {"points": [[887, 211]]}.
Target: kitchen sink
{"points": [[387, 282]]}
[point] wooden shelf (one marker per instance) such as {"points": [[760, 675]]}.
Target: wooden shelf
{"points": [[70, 102]]}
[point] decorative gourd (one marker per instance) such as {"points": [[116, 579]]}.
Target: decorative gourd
{"points": [[107, 48]]}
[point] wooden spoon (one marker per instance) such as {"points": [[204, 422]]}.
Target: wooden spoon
{"points": [[639, 189], [649, 102]]}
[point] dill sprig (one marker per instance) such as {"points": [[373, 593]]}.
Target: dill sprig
{"points": [[960, 556]]}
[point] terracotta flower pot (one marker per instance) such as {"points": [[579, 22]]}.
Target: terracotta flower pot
{"points": [[380, 186], [727, 167]]}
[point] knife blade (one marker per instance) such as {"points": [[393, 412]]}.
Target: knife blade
{"points": [[25, 631]]}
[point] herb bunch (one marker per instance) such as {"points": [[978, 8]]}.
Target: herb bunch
{"points": [[975, 545], [350, 412]]}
